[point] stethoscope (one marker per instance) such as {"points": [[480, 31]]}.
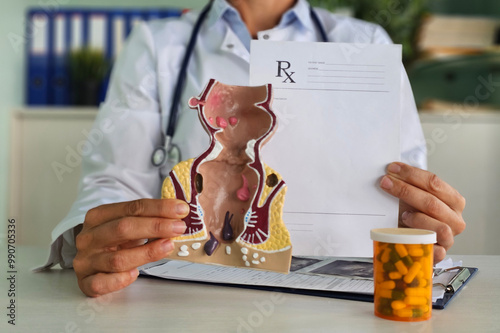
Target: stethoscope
{"points": [[167, 149]]}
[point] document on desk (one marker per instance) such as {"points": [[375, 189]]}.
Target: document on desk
{"points": [[306, 273], [347, 278], [338, 111]]}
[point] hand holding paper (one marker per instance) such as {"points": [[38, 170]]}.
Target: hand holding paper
{"points": [[339, 114], [427, 202]]}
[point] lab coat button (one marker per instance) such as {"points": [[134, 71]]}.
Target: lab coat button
{"points": [[266, 36], [230, 46]]}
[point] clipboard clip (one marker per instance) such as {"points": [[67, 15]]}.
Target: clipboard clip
{"points": [[439, 271], [457, 281]]}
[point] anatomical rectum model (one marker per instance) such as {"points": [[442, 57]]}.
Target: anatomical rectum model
{"points": [[236, 200]]}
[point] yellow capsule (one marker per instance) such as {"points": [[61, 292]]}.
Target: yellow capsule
{"points": [[395, 275], [412, 272], [387, 285], [379, 277], [380, 249], [416, 252], [385, 255], [420, 274], [398, 305], [385, 293], [404, 313], [426, 266], [416, 292], [419, 283], [400, 266], [415, 300], [382, 246], [401, 250]]}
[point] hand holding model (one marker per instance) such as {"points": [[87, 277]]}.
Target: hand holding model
{"points": [[112, 242]]}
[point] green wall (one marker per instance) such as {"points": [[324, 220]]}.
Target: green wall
{"points": [[466, 7]]}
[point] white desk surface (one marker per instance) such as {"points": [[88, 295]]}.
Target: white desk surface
{"points": [[51, 302]]}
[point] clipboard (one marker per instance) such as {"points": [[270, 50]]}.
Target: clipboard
{"points": [[452, 288], [463, 276]]}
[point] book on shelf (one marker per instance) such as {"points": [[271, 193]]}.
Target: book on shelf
{"points": [[442, 35]]}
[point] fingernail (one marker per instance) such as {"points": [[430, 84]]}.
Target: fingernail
{"points": [[386, 183], [394, 168], [134, 273], [178, 227], [182, 208], [167, 246], [405, 215]]}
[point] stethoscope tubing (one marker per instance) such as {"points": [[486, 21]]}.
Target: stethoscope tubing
{"points": [[159, 156]]}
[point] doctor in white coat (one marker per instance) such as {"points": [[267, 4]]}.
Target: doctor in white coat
{"points": [[104, 235]]}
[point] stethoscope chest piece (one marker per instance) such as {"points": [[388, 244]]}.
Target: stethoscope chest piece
{"points": [[174, 155], [159, 157]]}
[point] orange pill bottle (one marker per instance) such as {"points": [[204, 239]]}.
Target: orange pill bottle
{"points": [[402, 273]]}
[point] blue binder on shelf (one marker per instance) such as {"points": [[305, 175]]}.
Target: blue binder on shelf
{"points": [[168, 12], [77, 38], [98, 38], [59, 87], [59, 32], [133, 17], [152, 14], [38, 70], [116, 33]]}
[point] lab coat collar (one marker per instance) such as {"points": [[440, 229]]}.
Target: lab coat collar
{"points": [[300, 11], [237, 38], [222, 10], [219, 7], [233, 44]]}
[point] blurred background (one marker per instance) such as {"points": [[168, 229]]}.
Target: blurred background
{"points": [[56, 55]]}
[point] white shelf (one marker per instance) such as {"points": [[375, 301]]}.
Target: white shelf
{"points": [[463, 150], [41, 138], [453, 117], [56, 113]]}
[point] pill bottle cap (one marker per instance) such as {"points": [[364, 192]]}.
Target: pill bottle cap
{"points": [[403, 236]]}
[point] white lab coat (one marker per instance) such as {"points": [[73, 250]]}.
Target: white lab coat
{"points": [[130, 122]]}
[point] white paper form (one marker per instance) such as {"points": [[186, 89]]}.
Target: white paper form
{"points": [[307, 273], [338, 109], [302, 279]]}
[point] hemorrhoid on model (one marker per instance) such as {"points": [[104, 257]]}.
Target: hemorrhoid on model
{"points": [[236, 200]]}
